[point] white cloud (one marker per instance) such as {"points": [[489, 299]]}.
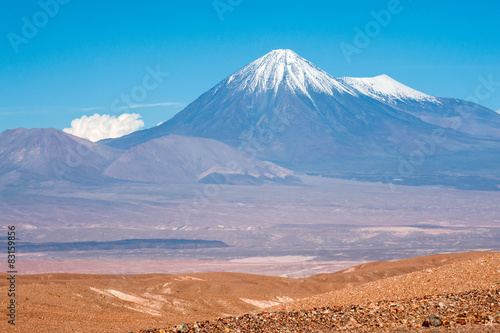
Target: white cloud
{"points": [[98, 127]]}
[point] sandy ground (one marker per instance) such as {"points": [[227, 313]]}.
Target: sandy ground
{"points": [[130, 303]]}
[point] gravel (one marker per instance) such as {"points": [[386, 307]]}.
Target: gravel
{"points": [[459, 297], [478, 307]]}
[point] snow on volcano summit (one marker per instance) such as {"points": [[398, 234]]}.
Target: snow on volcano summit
{"points": [[386, 89], [286, 69], [283, 68]]}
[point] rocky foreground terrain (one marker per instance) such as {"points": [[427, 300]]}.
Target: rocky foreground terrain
{"points": [[439, 293], [446, 311], [459, 297]]}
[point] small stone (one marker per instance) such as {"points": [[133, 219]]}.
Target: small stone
{"points": [[432, 321], [182, 327], [442, 305]]}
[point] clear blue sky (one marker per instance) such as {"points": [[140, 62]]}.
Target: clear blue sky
{"points": [[91, 52]]}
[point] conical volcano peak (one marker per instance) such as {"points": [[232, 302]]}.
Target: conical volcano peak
{"points": [[283, 69], [286, 110]]}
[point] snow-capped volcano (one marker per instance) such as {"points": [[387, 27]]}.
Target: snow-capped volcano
{"points": [[282, 108]]}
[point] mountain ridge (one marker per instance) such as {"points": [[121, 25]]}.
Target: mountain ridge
{"points": [[38, 155], [46, 154]]}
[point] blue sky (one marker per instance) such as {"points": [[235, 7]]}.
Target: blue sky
{"points": [[87, 54]]}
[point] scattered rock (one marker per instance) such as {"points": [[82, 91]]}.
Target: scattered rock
{"points": [[432, 321]]}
